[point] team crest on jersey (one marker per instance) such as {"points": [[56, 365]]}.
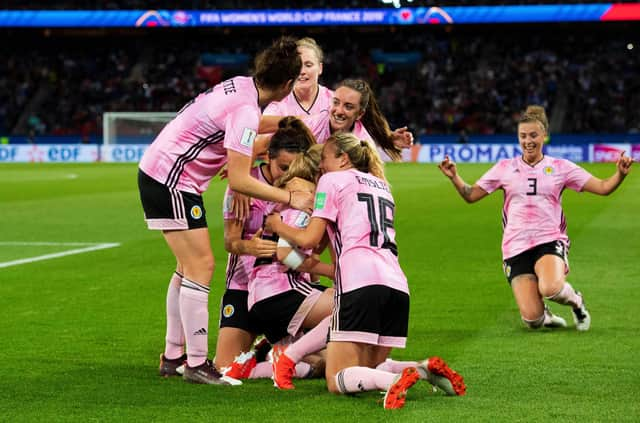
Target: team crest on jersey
{"points": [[302, 220], [507, 270], [321, 199], [548, 170], [248, 135], [228, 310], [196, 212]]}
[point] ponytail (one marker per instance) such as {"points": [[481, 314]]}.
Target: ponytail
{"points": [[305, 166], [292, 136], [362, 155]]}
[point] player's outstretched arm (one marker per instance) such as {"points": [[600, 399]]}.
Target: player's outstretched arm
{"points": [[470, 193], [610, 184]]}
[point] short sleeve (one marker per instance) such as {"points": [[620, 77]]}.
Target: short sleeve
{"points": [[575, 176], [326, 203], [295, 218], [273, 109], [241, 129], [492, 179]]}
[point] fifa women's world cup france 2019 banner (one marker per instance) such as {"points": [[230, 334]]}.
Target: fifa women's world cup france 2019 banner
{"points": [[398, 15]]}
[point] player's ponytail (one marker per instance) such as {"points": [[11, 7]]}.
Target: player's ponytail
{"points": [[373, 120], [537, 114], [292, 136], [305, 166], [362, 155], [277, 64]]}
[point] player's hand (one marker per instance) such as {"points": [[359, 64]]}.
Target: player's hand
{"points": [[402, 138], [302, 200], [224, 174], [624, 164], [448, 167], [259, 247], [240, 206], [271, 222]]}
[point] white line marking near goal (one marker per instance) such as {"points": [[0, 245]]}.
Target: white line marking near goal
{"points": [[91, 246]]}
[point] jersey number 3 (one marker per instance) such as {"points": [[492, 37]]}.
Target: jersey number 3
{"points": [[533, 186], [379, 223]]}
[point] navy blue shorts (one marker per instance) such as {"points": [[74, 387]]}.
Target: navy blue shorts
{"points": [[525, 262], [170, 209], [375, 314], [234, 312]]}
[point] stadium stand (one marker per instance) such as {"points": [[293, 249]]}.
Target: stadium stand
{"points": [[436, 80]]}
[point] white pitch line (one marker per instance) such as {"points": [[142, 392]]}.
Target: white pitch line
{"points": [[56, 255], [22, 243]]}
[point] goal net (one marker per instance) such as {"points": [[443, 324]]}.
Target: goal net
{"points": [[133, 127]]}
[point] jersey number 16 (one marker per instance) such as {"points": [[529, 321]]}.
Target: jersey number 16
{"points": [[379, 223]]}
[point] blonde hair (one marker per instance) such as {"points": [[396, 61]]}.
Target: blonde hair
{"points": [[535, 114], [305, 166], [310, 43], [362, 155]]}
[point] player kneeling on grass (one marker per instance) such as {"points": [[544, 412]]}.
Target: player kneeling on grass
{"points": [[355, 207], [283, 299], [535, 242], [243, 241]]}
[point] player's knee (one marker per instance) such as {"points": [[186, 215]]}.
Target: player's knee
{"points": [[550, 287], [533, 323]]}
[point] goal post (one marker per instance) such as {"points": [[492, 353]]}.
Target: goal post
{"points": [[133, 127]]}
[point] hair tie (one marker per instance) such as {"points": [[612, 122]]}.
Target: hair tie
{"points": [[363, 143]]}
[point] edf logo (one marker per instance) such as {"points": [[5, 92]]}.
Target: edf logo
{"points": [[127, 153], [8, 154], [63, 154]]}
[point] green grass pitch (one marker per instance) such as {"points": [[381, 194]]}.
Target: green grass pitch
{"points": [[81, 334]]}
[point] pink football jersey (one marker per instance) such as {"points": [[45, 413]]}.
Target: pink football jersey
{"points": [[269, 277], [320, 128], [290, 106], [192, 148], [239, 266], [360, 211], [532, 211]]}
